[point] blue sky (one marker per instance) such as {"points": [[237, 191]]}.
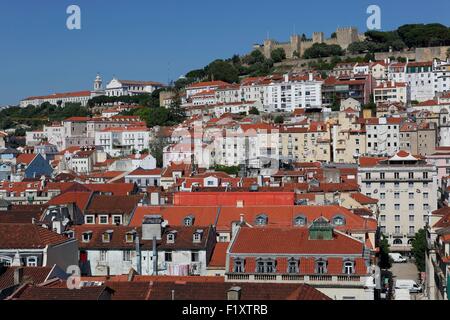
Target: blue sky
{"points": [[140, 39]]}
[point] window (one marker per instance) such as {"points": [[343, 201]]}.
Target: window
{"points": [[87, 236], [238, 266], [89, 219], [103, 255], [398, 242], [396, 184], [5, 261], [117, 220], [321, 267], [188, 221], [349, 267], [397, 207], [397, 217], [300, 221], [106, 237], [171, 237], [197, 237], [382, 195], [168, 256], [194, 257], [396, 175], [382, 217], [411, 218], [411, 207], [127, 255], [382, 206], [425, 175], [103, 219], [129, 237], [397, 229], [292, 266], [411, 195], [339, 221], [32, 261], [426, 206], [382, 185], [425, 195], [261, 220], [412, 230], [265, 266]]}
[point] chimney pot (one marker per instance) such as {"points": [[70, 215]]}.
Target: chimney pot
{"points": [[234, 294], [18, 276]]}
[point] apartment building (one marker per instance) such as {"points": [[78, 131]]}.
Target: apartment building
{"points": [[392, 92], [294, 92], [418, 139], [382, 135], [406, 188], [348, 138], [306, 144], [122, 141]]}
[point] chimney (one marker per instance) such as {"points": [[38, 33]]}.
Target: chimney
{"points": [[152, 227], [18, 276], [234, 294], [242, 218]]}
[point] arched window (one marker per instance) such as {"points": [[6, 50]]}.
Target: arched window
{"points": [[5, 261], [32, 261], [398, 241], [292, 266], [238, 266], [410, 241], [349, 267], [265, 265], [188, 221], [261, 220], [300, 221], [339, 220], [321, 266]]}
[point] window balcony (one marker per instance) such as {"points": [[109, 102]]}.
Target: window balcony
{"points": [[314, 279]]}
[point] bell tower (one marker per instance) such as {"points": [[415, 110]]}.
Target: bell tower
{"points": [[98, 83]]}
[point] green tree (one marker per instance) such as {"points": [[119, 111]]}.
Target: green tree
{"points": [[222, 70], [278, 55], [320, 50], [384, 261], [157, 150], [279, 119], [253, 110], [419, 248], [232, 170]]}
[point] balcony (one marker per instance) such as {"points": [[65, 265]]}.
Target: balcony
{"points": [[316, 279]]}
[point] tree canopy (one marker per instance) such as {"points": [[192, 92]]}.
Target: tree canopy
{"points": [[320, 50], [278, 55], [419, 248]]}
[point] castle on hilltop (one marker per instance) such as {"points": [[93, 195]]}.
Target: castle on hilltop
{"points": [[297, 46]]}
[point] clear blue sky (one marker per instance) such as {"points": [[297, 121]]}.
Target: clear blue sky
{"points": [[138, 39]]}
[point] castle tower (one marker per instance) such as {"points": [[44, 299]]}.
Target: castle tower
{"points": [[98, 83], [318, 37], [346, 36]]}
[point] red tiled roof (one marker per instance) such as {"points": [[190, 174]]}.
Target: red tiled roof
{"points": [[62, 95], [219, 255], [25, 158], [363, 199], [369, 161], [207, 84], [274, 240], [79, 198], [28, 236], [36, 275]]}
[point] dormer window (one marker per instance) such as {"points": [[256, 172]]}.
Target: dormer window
{"points": [[189, 221], [106, 237], [87, 236], [197, 238], [349, 267], [265, 266], [261, 220], [300, 221], [130, 236], [70, 234], [292, 266], [321, 266], [338, 220], [171, 237], [238, 266]]}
